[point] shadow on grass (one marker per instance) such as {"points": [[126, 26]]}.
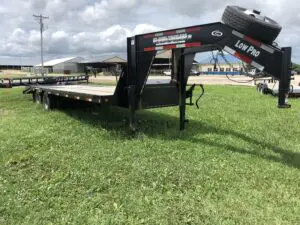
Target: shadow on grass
{"points": [[166, 127]]}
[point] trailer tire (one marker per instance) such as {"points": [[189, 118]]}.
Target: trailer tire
{"points": [[235, 17], [48, 102], [258, 86], [264, 89], [37, 97]]}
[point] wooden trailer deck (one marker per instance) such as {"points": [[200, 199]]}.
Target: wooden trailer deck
{"points": [[93, 90]]}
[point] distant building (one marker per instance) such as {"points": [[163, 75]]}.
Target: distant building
{"points": [[12, 67], [221, 67], [63, 65], [162, 63], [104, 63]]}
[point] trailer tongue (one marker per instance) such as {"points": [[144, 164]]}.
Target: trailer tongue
{"points": [[133, 91]]}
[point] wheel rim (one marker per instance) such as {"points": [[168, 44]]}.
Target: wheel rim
{"points": [[257, 15]]}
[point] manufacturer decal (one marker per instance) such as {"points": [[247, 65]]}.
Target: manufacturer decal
{"points": [[172, 39], [249, 49], [217, 33]]}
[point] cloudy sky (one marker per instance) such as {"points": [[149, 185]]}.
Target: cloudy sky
{"points": [[94, 27]]}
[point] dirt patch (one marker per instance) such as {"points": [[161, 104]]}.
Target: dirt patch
{"points": [[4, 112]]}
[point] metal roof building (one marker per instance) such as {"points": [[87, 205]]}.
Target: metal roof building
{"points": [[106, 59], [63, 65]]}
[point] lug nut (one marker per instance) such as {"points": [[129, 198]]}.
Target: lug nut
{"points": [[256, 11]]}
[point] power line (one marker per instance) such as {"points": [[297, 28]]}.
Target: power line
{"points": [[40, 19]]}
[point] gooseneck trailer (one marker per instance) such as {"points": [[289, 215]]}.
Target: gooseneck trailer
{"points": [[133, 91]]}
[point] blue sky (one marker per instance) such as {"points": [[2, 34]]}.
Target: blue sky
{"points": [[94, 27]]}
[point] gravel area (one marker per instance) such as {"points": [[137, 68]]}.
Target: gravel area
{"points": [[213, 80]]}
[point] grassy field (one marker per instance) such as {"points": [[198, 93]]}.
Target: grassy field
{"points": [[238, 162]]}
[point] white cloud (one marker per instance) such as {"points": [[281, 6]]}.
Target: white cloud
{"points": [[145, 28], [95, 13], [59, 35], [80, 27]]}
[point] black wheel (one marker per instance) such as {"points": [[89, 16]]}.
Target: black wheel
{"points": [[48, 102], [37, 97], [264, 89], [252, 23]]}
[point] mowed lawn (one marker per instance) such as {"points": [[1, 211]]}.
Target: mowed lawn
{"points": [[238, 162]]}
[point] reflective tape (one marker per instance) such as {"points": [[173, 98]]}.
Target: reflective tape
{"points": [[257, 66], [159, 34], [267, 48], [180, 31], [238, 34], [244, 58], [229, 50]]}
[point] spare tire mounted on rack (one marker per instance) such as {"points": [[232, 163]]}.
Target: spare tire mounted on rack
{"points": [[252, 23]]}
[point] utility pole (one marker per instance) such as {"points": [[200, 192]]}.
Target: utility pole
{"points": [[40, 19]]}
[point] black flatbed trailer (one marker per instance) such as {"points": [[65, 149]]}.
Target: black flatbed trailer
{"points": [[134, 93], [25, 81]]}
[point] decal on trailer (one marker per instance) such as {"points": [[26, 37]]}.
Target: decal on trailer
{"points": [[217, 33], [249, 49], [180, 38], [172, 39]]}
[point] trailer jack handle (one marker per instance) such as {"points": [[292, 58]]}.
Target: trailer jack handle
{"points": [[200, 96], [189, 94]]}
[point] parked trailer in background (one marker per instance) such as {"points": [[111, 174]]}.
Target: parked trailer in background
{"points": [[25, 81], [273, 89], [134, 92]]}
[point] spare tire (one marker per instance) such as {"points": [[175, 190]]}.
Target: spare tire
{"points": [[252, 24]]}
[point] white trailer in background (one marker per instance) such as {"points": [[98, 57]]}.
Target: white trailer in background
{"points": [[273, 89]]}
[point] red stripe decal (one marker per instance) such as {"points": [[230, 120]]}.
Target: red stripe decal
{"points": [[242, 57], [194, 44], [252, 41], [169, 46], [149, 36], [193, 29], [170, 32], [149, 49]]}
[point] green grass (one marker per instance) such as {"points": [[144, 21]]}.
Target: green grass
{"points": [[11, 75], [238, 162]]}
